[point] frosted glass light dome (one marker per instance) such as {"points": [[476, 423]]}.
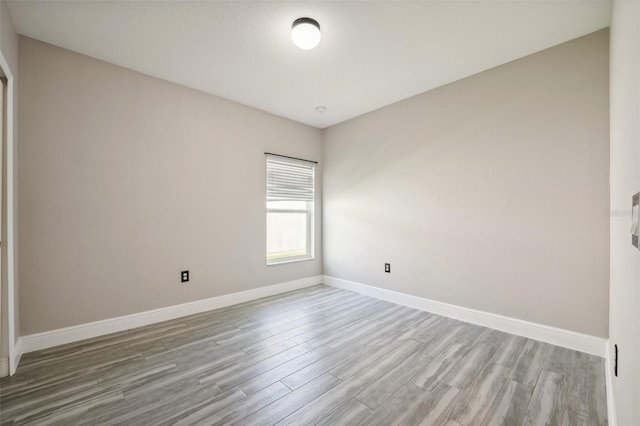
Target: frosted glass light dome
{"points": [[305, 33]]}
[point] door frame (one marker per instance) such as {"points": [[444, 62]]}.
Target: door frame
{"points": [[8, 241]]}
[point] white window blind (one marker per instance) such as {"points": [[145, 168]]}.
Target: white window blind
{"points": [[289, 180]]}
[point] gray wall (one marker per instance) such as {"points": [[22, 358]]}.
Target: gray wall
{"points": [[126, 179], [489, 193], [625, 181]]}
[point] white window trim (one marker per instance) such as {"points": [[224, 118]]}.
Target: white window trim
{"points": [[310, 218]]}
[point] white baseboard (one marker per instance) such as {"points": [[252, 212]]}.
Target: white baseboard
{"points": [[48, 339], [4, 367], [555, 336], [611, 403], [19, 348]]}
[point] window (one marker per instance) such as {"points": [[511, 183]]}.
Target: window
{"points": [[290, 205]]}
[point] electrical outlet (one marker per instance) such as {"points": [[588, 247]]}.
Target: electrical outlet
{"points": [[184, 276], [387, 268]]}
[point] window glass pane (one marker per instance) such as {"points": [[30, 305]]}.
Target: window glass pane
{"points": [[287, 205], [286, 235]]}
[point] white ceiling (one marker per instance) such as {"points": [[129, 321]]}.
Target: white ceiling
{"points": [[371, 54]]}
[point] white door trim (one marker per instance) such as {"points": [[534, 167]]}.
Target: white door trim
{"points": [[9, 244]]}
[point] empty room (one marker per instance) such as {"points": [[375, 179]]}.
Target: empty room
{"points": [[320, 212]]}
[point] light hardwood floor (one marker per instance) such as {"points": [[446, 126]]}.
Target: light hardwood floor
{"points": [[314, 356]]}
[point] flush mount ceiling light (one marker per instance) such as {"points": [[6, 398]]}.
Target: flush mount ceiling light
{"points": [[305, 33]]}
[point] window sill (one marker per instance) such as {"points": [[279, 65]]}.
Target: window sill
{"points": [[280, 262]]}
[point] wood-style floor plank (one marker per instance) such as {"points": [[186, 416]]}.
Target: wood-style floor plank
{"points": [[548, 402], [587, 387], [292, 402], [509, 350], [434, 409], [378, 392], [318, 355], [474, 402], [530, 362], [246, 407], [317, 409], [509, 406], [353, 412], [396, 408], [471, 364], [435, 369]]}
